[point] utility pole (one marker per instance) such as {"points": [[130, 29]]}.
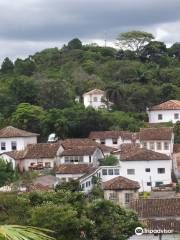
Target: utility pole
{"points": [[105, 39]]}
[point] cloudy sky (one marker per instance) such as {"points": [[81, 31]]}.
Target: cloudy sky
{"points": [[27, 26]]}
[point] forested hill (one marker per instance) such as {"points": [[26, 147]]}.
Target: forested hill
{"points": [[38, 93]]}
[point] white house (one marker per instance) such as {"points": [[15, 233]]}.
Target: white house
{"points": [[15, 139], [104, 173], [95, 98], [147, 167], [157, 139], [165, 112], [113, 138], [34, 157]]}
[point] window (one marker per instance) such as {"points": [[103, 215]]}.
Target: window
{"points": [[128, 197], [176, 116], [82, 186], [102, 141], [47, 164], [89, 159], [166, 146], [95, 99], [110, 171], [114, 140], [73, 159], [151, 145], [104, 172], [159, 147], [116, 171], [157, 184], [148, 170], [3, 146], [144, 144], [160, 117], [13, 145], [130, 171], [149, 184], [112, 196], [161, 170]]}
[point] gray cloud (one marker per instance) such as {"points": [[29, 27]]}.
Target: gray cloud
{"points": [[30, 25]]}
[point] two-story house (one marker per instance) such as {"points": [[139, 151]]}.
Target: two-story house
{"points": [[96, 99], [157, 139], [165, 112], [147, 167], [12, 138]]}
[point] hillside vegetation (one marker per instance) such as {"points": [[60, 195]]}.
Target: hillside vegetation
{"points": [[38, 93]]}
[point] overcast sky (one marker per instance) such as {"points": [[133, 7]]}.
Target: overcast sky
{"points": [[27, 26]]}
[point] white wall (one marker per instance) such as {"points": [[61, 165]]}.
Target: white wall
{"points": [[21, 142], [167, 116], [164, 151], [143, 177], [89, 100], [67, 177], [109, 142]]}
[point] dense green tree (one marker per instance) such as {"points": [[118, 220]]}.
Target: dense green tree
{"points": [[7, 66], [6, 172], [24, 67], [109, 161], [75, 44]]}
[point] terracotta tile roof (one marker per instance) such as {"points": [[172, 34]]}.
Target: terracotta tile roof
{"points": [[147, 134], [110, 134], [169, 105], [73, 168], [10, 131], [135, 153], [41, 150], [80, 142], [94, 91], [176, 148], [39, 187], [17, 155], [80, 151], [157, 208], [120, 183], [167, 224]]}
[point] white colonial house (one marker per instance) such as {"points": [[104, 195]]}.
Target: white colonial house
{"points": [[147, 167], [113, 138], [96, 99], [12, 138], [165, 112], [157, 139]]}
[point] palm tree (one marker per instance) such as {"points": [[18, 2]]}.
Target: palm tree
{"points": [[16, 232]]}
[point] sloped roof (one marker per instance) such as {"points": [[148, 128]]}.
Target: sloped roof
{"points": [[72, 143], [120, 183], [163, 133], [94, 91], [110, 134], [160, 208], [176, 148], [35, 151], [10, 131], [141, 154], [73, 168], [80, 151], [168, 105]]}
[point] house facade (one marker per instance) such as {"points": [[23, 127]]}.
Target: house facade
{"points": [[95, 98], [147, 167], [12, 139], [113, 138], [176, 159], [157, 139], [165, 112], [121, 190]]}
